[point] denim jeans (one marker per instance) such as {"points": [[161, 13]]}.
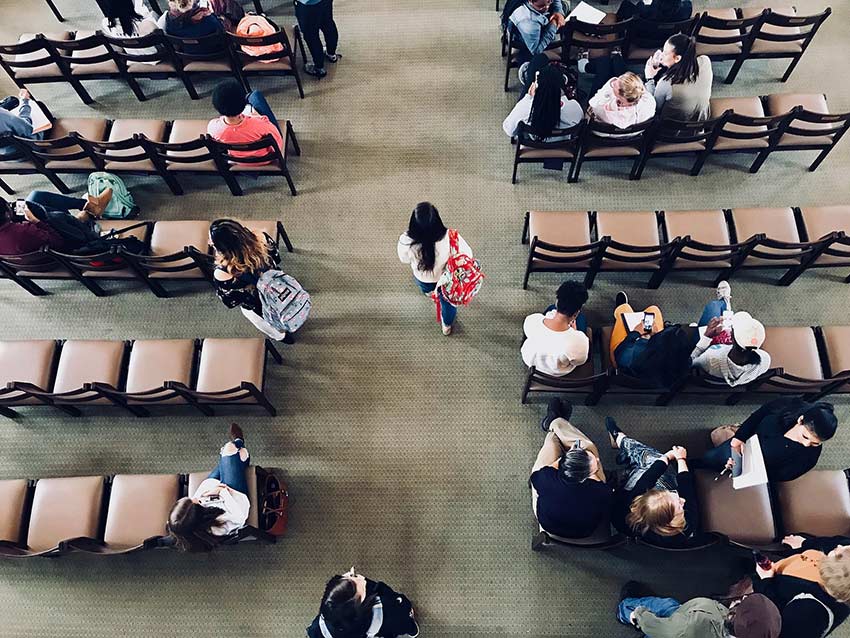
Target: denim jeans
{"points": [[258, 101], [661, 607], [313, 18], [447, 310], [712, 309], [715, 458], [231, 469], [55, 201]]}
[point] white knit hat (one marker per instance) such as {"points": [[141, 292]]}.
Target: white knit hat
{"points": [[747, 332]]}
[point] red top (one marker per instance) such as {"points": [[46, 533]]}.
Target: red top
{"points": [[250, 129]]}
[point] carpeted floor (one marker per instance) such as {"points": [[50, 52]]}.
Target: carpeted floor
{"points": [[407, 452]]}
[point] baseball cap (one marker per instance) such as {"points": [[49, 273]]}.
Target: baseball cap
{"points": [[746, 331], [756, 617]]}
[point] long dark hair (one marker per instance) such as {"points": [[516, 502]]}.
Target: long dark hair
{"points": [[546, 106], [347, 616], [686, 69], [818, 417], [238, 249], [425, 229], [189, 524], [122, 12]]}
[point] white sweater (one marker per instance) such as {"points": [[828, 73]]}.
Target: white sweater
{"points": [[409, 254], [235, 505], [552, 352]]}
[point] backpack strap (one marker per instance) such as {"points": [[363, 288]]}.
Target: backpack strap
{"points": [[454, 246]]}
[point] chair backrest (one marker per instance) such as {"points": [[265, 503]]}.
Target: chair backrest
{"points": [[224, 152], [278, 37], [825, 124], [800, 29], [740, 30], [137, 48], [68, 148], [30, 54], [132, 150], [196, 151], [37, 261], [213, 47], [668, 131], [650, 34], [83, 51], [598, 37], [563, 137], [598, 133], [752, 128]]}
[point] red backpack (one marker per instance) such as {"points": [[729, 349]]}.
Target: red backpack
{"points": [[461, 279], [258, 25]]}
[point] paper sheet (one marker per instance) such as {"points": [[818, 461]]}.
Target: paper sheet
{"points": [[754, 472], [585, 13]]}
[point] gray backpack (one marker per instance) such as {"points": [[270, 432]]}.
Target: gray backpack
{"points": [[286, 304]]}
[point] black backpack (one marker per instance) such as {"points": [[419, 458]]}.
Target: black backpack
{"points": [[662, 360]]}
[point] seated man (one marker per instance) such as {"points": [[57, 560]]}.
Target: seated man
{"points": [[537, 22], [555, 344], [236, 126], [20, 124], [569, 495]]}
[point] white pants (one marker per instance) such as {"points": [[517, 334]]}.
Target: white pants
{"points": [[261, 325]]}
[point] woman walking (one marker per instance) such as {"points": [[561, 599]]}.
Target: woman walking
{"points": [[426, 246]]}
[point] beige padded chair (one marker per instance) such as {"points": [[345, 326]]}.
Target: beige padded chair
{"points": [[768, 46], [139, 505], [183, 131], [48, 70], [82, 362], [13, 496], [823, 220], [638, 228], [747, 106], [836, 340], [155, 361], [154, 130], [89, 128], [817, 503], [719, 51], [779, 103], [226, 365], [559, 228], [62, 509], [704, 226], [29, 362], [744, 516], [778, 224], [171, 237]]}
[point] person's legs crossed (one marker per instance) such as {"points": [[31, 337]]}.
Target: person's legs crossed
{"points": [[309, 19], [55, 201], [620, 331], [712, 309], [568, 434], [661, 607], [258, 101], [328, 26], [715, 458]]}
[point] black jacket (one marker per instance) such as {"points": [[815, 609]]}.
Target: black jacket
{"points": [[397, 608]]}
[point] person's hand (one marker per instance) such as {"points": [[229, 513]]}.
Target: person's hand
{"points": [[793, 541], [28, 215], [679, 453], [649, 69], [737, 445], [670, 456], [765, 573], [24, 94], [633, 618], [714, 327], [532, 88]]}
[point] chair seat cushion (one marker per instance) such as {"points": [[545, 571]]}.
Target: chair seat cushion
{"points": [[776, 223], [793, 348], [87, 127], [672, 147], [107, 67], [142, 68], [13, 493], [283, 65], [526, 152], [27, 362], [821, 221], [86, 362], [262, 226], [196, 478], [745, 515], [226, 363], [706, 226], [169, 238], [208, 66], [64, 508], [813, 102], [139, 505], [50, 70], [769, 46], [562, 229], [634, 228], [719, 50], [155, 361], [837, 342], [611, 151], [817, 503], [186, 131]]}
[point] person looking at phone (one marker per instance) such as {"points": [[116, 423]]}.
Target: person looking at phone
{"points": [[556, 342], [354, 606], [569, 495], [21, 232], [237, 127], [657, 500], [652, 323], [680, 80], [536, 21], [220, 505], [791, 432], [623, 102], [545, 107]]}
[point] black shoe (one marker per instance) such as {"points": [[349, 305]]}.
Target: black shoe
{"points": [[557, 409], [634, 589], [289, 338], [613, 431], [316, 72], [235, 432], [620, 299]]}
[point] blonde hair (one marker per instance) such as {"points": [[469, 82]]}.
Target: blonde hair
{"points": [[631, 87], [238, 249], [181, 6], [835, 574], [656, 511]]}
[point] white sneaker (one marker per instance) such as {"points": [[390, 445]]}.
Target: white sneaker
{"points": [[724, 293], [447, 330]]}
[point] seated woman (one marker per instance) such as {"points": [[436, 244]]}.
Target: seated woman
{"points": [[680, 80], [187, 19], [791, 432], [555, 341], [219, 506], [623, 102], [241, 256], [811, 588], [569, 495], [656, 502], [354, 606], [129, 19], [545, 107]]}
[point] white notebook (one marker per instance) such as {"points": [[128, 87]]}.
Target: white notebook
{"points": [[753, 471], [39, 119], [585, 13]]}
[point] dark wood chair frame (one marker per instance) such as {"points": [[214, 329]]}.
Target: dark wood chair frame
{"points": [[274, 157], [637, 138], [841, 122], [667, 131], [220, 50], [649, 34], [8, 60], [525, 138], [740, 32], [597, 37], [280, 37]]}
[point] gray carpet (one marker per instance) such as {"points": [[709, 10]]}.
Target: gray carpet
{"points": [[407, 452]]}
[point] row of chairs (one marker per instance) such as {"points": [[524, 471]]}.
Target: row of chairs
{"points": [[737, 35], [758, 517], [660, 242], [752, 125], [106, 515], [145, 147], [134, 375], [809, 361], [73, 57], [177, 251]]}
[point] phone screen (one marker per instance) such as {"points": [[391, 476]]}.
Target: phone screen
{"points": [[648, 320]]}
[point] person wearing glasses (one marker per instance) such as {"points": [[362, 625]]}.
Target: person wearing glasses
{"points": [[569, 495], [623, 102], [355, 607]]}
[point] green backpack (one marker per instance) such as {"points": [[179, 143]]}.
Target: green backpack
{"points": [[122, 205]]}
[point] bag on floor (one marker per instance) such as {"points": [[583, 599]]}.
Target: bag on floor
{"points": [[122, 205], [253, 25], [286, 304], [461, 279], [274, 506]]}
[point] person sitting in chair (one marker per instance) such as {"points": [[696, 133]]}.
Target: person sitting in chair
{"points": [[555, 341]]}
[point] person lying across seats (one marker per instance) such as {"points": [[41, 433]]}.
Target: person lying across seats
{"points": [[811, 587], [657, 501], [623, 101], [791, 432], [536, 21], [569, 495], [556, 342], [19, 123], [756, 616], [46, 219], [354, 606], [549, 104], [220, 505], [244, 118]]}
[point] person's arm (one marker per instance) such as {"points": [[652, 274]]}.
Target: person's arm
{"points": [[647, 481], [662, 91], [271, 129], [795, 465], [825, 544], [518, 114], [751, 424], [571, 113], [536, 36], [657, 627], [715, 325], [403, 249], [686, 489], [10, 123]]}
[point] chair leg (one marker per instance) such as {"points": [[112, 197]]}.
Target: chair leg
{"points": [[760, 159], [190, 88], [516, 166], [734, 398], [791, 67], [820, 158], [69, 410], [136, 89], [579, 161], [285, 237], [257, 6], [297, 79], [95, 289], [733, 72], [6, 188], [273, 352], [171, 182], [81, 91], [28, 284], [290, 134], [55, 11], [156, 288], [9, 413], [539, 541], [232, 183], [789, 277], [290, 182], [697, 167], [58, 183]]}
